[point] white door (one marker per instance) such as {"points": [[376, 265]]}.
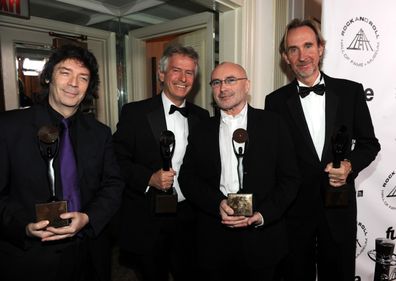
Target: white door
{"points": [[196, 31], [196, 39]]}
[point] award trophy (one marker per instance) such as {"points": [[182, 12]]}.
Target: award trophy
{"points": [[48, 143], [338, 196], [241, 203], [384, 258], [165, 202]]}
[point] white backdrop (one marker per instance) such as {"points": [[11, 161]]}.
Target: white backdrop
{"points": [[361, 46]]}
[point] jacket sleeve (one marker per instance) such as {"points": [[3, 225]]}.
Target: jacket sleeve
{"points": [[285, 182], [198, 177], [13, 218], [135, 173], [106, 186], [366, 145]]}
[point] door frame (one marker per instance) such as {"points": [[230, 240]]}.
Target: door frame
{"points": [[101, 43], [136, 85]]}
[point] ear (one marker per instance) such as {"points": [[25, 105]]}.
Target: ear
{"points": [[247, 85], [161, 76], [284, 56], [321, 50]]}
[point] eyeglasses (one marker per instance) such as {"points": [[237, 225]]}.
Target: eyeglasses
{"points": [[228, 81]]}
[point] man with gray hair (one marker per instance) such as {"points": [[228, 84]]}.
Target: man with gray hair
{"points": [[155, 240]]}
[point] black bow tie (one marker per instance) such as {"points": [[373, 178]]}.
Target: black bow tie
{"points": [[183, 110], [318, 89]]}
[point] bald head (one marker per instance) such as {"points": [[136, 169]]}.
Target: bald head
{"points": [[230, 87], [231, 68]]}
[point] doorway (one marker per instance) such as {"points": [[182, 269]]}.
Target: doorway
{"points": [[23, 39], [196, 31]]}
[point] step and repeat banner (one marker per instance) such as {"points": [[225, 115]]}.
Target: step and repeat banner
{"points": [[361, 46]]}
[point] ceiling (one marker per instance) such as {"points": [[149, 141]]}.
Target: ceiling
{"points": [[116, 15]]}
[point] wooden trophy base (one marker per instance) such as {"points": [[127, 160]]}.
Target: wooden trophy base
{"points": [[51, 211], [336, 197], [165, 203]]}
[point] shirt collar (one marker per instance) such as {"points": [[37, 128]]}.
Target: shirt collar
{"points": [[56, 117], [228, 117], [319, 80], [167, 103]]}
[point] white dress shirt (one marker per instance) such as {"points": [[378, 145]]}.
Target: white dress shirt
{"points": [[229, 182], [178, 124], [314, 107]]}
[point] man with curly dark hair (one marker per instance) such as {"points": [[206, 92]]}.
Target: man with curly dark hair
{"points": [[90, 183]]}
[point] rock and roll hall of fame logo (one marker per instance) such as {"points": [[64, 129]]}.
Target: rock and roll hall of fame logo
{"points": [[388, 190], [361, 238], [360, 42]]}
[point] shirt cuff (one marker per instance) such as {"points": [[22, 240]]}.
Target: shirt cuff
{"points": [[262, 220]]}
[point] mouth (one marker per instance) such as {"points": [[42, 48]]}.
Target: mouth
{"points": [[180, 86], [224, 96], [303, 65], [70, 93]]}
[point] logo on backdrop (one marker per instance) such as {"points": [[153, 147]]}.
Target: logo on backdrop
{"points": [[361, 238], [388, 191], [360, 41], [390, 233]]}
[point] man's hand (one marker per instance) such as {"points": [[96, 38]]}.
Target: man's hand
{"points": [[256, 219], [227, 217], [40, 229], [338, 176], [162, 180]]}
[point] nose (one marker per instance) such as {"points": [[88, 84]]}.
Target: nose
{"points": [[73, 80], [183, 76], [302, 55]]}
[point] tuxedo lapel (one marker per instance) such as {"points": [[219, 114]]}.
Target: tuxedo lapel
{"points": [[40, 118], [297, 113], [192, 118], [252, 133], [156, 118], [85, 145], [331, 111], [213, 133]]}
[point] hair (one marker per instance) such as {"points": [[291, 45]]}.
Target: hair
{"points": [[295, 23], [180, 50], [79, 54]]}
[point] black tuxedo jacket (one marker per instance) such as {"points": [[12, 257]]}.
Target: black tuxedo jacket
{"points": [[136, 144], [270, 173], [24, 182], [345, 105]]}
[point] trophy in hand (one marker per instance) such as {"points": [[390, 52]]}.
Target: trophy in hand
{"points": [[165, 202], [241, 203], [51, 210], [338, 196]]}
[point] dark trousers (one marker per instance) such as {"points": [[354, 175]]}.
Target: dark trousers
{"points": [[236, 273], [313, 251], [227, 258], [62, 260], [175, 251]]}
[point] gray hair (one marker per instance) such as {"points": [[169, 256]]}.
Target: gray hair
{"points": [[181, 50]]}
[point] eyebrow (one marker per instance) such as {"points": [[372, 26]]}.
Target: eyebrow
{"points": [[69, 69]]}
